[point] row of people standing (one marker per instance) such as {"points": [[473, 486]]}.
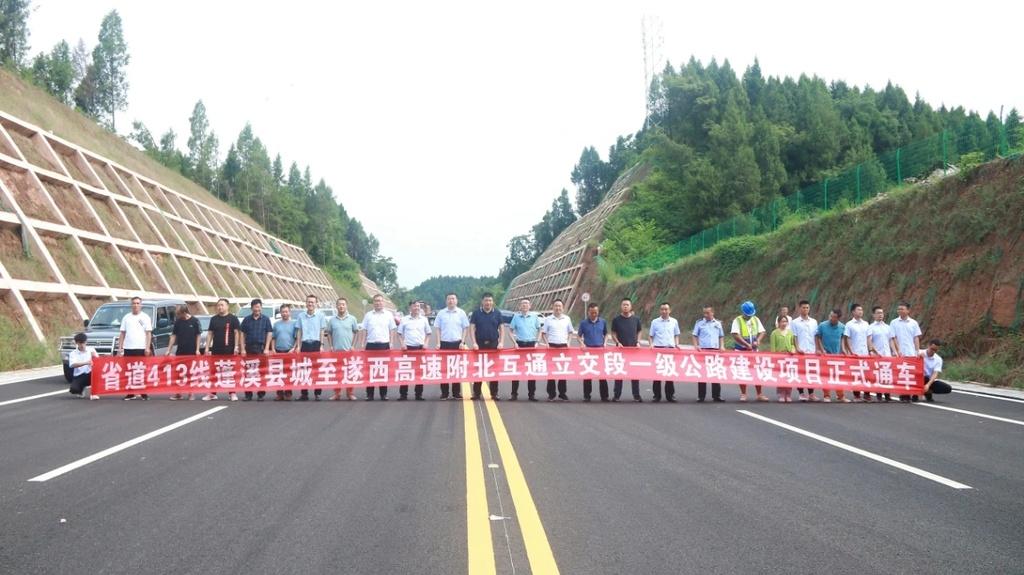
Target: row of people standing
{"points": [[311, 331]]}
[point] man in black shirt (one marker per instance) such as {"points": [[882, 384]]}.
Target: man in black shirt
{"points": [[255, 333], [485, 330], [626, 333], [221, 339], [185, 334]]}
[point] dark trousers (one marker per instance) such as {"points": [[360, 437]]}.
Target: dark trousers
{"points": [[403, 390], [634, 386], [531, 385], [938, 386], [135, 353], [383, 389], [79, 383], [493, 385], [255, 350], [702, 387], [670, 388], [456, 387], [307, 347], [561, 382], [285, 394], [588, 385]]}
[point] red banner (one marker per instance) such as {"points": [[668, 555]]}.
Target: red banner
{"points": [[203, 374]]}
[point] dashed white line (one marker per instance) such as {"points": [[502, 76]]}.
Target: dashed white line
{"points": [[974, 413], [856, 450], [122, 446]]}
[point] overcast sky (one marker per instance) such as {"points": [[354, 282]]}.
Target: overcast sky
{"points": [[447, 128]]}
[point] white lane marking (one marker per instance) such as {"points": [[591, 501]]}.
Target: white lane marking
{"points": [[31, 397], [30, 374], [974, 413], [873, 456], [989, 396], [122, 446]]}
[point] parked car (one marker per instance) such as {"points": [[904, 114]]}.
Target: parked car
{"points": [[271, 309], [104, 327], [204, 322]]}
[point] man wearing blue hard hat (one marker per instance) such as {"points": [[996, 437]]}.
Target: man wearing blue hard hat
{"points": [[747, 333]]}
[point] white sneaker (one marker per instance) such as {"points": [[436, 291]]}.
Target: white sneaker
{"points": [[826, 399], [93, 397], [233, 396], [210, 397]]}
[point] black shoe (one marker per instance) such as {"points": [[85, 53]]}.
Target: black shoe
{"points": [[605, 400], [913, 398], [402, 398], [419, 398], [551, 399], [563, 398], [474, 398], [615, 400], [637, 400], [670, 399], [260, 398], [247, 398], [457, 397], [369, 398], [303, 398], [513, 398], [444, 398], [929, 399], [531, 398], [382, 398], [700, 400], [717, 400], [586, 400], [656, 400]]}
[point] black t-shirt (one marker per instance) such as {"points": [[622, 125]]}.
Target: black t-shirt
{"points": [[224, 329], [186, 335], [488, 325], [627, 329]]}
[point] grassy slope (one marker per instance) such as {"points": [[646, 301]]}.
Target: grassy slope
{"points": [[34, 105], [953, 249]]}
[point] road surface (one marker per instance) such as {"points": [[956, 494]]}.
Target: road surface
{"points": [[476, 487]]}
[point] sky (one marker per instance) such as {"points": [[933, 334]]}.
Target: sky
{"points": [[449, 127]]}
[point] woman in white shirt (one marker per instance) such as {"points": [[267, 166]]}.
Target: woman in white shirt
{"points": [[80, 361]]}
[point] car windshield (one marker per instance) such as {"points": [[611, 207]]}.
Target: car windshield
{"points": [[204, 322], [111, 315]]}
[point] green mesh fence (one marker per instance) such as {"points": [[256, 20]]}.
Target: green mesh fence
{"points": [[850, 187]]}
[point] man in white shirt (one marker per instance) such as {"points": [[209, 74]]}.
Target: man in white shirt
{"points": [[906, 331], [413, 333], [804, 327], [556, 333], [881, 341], [932, 369], [136, 336], [451, 325], [664, 334], [855, 340], [377, 327], [80, 362]]}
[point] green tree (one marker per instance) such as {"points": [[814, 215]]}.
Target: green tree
{"points": [[14, 32], [202, 148], [522, 252], [55, 72], [592, 178], [109, 59]]}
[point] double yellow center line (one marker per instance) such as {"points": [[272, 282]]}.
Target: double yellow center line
{"points": [[478, 522]]}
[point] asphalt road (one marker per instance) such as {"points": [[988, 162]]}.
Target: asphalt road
{"points": [[358, 487]]}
